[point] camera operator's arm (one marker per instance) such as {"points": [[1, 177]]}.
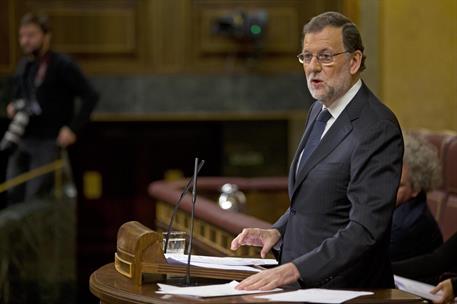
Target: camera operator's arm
{"points": [[82, 88]]}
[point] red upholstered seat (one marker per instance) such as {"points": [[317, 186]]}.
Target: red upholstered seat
{"points": [[443, 201], [436, 200], [448, 218]]}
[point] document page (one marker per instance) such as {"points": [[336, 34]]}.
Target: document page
{"points": [[209, 262], [225, 267], [226, 263], [221, 260], [415, 287], [217, 290], [315, 295]]}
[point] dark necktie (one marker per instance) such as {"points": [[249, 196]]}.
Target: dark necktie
{"points": [[314, 137]]}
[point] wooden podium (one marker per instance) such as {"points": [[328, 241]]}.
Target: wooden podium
{"points": [[139, 253], [111, 287]]}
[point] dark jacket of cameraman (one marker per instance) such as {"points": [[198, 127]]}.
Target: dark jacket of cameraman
{"points": [[49, 86]]}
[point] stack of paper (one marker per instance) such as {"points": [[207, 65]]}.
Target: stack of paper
{"points": [[315, 295], [228, 289], [418, 288], [226, 263], [217, 290]]}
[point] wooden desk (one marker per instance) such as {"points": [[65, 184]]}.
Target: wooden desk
{"points": [[112, 288]]}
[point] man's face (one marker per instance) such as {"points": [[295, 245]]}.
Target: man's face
{"points": [[31, 39], [405, 192], [327, 82]]}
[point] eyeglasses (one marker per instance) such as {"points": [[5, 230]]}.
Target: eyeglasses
{"points": [[322, 58]]}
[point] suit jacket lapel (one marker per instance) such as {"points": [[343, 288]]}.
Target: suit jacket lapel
{"points": [[314, 111], [339, 130]]}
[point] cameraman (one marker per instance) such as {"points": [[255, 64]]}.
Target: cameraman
{"points": [[42, 109]]}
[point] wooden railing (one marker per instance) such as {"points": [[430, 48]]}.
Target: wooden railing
{"points": [[214, 228], [53, 167]]}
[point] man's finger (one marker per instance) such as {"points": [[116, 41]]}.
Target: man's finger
{"points": [[266, 248], [235, 244], [259, 284], [270, 285], [238, 241], [248, 281]]}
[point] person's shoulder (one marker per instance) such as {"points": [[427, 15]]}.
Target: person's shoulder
{"points": [[371, 119], [375, 108], [62, 60], [371, 113], [407, 214]]}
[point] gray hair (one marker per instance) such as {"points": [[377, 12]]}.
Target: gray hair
{"points": [[351, 37], [423, 164]]}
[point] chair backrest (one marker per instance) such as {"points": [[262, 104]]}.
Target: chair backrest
{"points": [[443, 201], [448, 220]]}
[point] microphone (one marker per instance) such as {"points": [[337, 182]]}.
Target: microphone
{"points": [[178, 202], [191, 233]]}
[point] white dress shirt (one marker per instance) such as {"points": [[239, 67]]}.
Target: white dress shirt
{"points": [[335, 110]]}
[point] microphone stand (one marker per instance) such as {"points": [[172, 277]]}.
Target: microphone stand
{"points": [[175, 210], [191, 232]]}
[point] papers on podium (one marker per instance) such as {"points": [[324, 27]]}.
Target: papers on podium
{"points": [[315, 295], [226, 263], [248, 264], [417, 288], [228, 289], [216, 290]]}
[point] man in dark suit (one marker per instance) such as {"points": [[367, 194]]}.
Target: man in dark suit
{"points": [[343, 179]]}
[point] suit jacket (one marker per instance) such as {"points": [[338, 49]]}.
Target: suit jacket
{"points": [[337, 228], [414, 230]]}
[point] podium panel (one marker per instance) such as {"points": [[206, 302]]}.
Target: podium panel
{"points": [[113, 288]]}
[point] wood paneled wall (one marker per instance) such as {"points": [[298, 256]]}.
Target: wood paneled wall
{"points": [[7, 36], [418, 73], [163, 36]]}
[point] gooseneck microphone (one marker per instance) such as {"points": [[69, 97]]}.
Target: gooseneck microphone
{"points": [[178, 202], [192, 216]]}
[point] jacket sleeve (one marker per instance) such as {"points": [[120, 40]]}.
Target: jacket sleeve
{"points": [[281, 223], [82, 88], [432, 264]]}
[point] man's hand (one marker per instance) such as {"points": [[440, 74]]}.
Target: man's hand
{"points": [[265, 238], [448, 293], [66, 137], [271, 278], [10, 111]]}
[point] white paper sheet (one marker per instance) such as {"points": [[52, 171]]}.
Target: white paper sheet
{"points": [[217, 290], [172, 261], [225, 267], [221, 260], [415, 287], [315, 295], [225, 263]]}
